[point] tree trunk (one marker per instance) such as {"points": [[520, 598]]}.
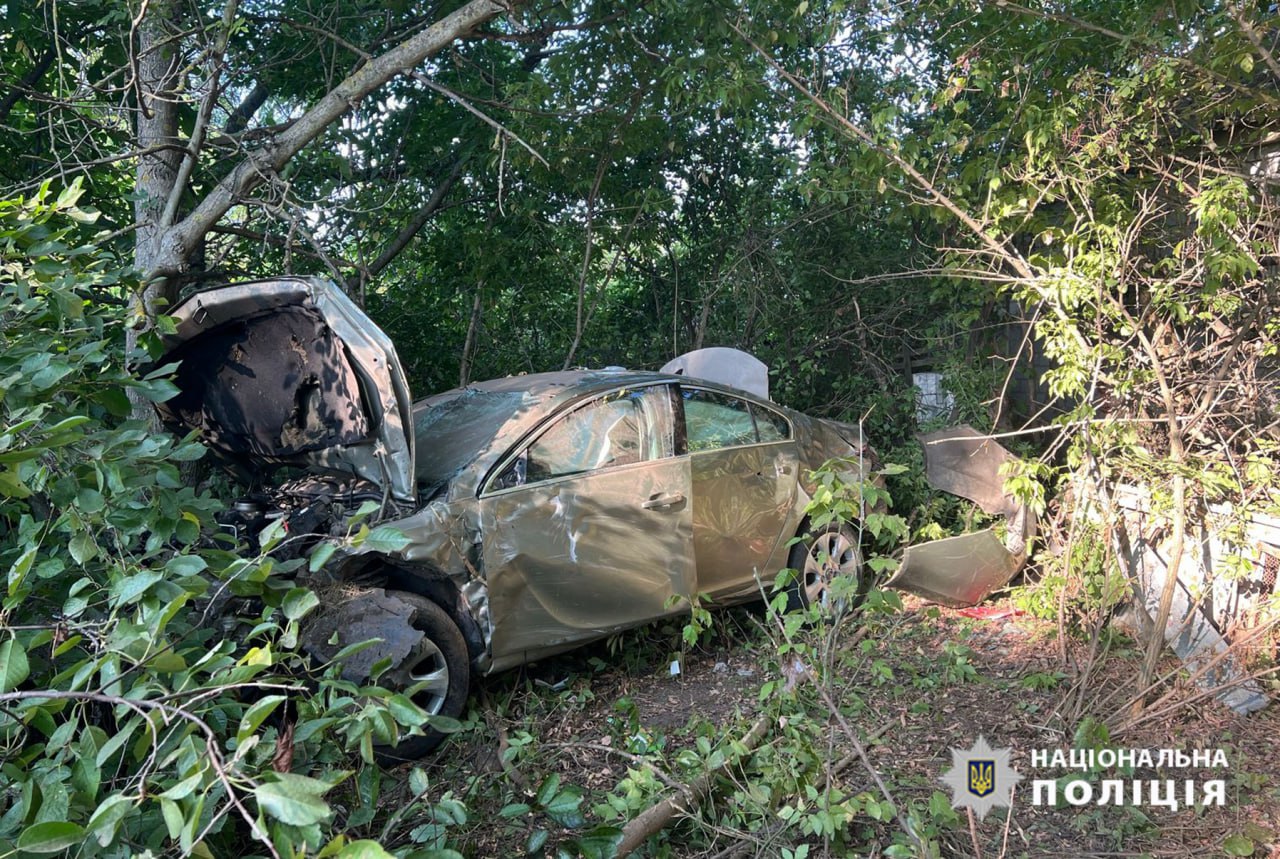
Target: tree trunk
{"points": [[157, 125], [464, 368], [164, 244]]}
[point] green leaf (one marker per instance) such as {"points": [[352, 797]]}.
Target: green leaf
{"points": [[270, 536], [321, 556], [130, 588], [384, 538], [115, 400], [298, 601], [82, 547], [184, 788], [113, 745], [405, 711], [14, 667], [563, 807], [418, 781], [106, 820], [293, 799], [600, 842], [186, 452], [86, 776], [157, 390], [18, 571], [536, 841], [12, 485], [173, 819], [53, 836], [364, 849], [1237, 845], [256, 715], [185, 565], [548, 789], [90, 500]]}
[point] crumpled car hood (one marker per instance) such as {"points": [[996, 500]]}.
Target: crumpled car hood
{"points": [[291, 372]]}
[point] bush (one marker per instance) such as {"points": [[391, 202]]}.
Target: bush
{"points": [[130, 722]]}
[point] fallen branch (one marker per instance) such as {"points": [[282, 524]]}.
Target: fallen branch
{"points": [[655, 818], [169, 712]]}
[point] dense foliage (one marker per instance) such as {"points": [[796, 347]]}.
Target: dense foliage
{"points": [[1067, 209], [134, 717]]}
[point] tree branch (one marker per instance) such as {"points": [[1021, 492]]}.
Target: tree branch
{"points": [[252, 171], [29, 80], [417, 222], [483, 117], [993, 246], [1063, 18], [238, 121], [202, 118], [1251, 33], [169, 712]]}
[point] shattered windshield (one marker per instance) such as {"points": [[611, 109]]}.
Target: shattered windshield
{"points": [[453, 433]]}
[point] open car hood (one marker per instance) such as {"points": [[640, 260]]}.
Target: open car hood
{"points": [[291, 372]]}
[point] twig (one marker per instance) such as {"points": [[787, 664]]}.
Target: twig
{"points": [[655, 818], [479, 114], [638, 760], [861, 752], [973, 834], [211, 739], [192, 155]]}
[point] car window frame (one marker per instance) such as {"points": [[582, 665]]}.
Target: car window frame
{"points": [[520, 448], [791, 430], [682, 427]]}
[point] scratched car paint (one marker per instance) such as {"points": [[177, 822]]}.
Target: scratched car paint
{"points": [[541, 511]]}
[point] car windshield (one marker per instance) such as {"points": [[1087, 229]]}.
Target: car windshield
{"points": [[453, 433]]}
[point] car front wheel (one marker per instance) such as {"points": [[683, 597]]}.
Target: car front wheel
{"points": [[438, 668]]}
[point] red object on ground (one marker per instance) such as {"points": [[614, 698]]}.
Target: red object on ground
{"points": [[990, 612]]}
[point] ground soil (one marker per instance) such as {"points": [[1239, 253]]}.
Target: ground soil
{"points": [[932, 681]]}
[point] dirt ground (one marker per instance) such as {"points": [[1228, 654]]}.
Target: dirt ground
{"points": [[935, 681]]}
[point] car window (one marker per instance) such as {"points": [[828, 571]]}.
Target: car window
{"points": [[770, 425], [713, 420], [618, 429]]}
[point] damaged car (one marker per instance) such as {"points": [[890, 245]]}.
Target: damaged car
{"points": [[538, 512]]}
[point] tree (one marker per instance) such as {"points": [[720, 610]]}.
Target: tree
{"points": [[196, 159], [128, 721], [1113, 168]]}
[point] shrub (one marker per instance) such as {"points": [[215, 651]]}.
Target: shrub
{"points": [[131, 722]]}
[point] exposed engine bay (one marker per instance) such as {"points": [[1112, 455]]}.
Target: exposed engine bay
{"points": [[310, 507]]}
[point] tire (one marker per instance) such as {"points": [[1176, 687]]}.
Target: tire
{"points": [[441, 658], [817, 559]]}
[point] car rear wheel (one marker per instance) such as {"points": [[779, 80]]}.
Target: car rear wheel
{"points": [[439, 666], [819, 559]]}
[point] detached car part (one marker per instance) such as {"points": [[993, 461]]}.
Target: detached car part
{"points": [[1211, 598], [966, 569]]}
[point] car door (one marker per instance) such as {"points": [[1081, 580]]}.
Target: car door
{"points": [[588, 525], [743, 465]]}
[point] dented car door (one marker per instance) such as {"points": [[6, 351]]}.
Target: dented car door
{"points": [[589, 524], [744, 468]]}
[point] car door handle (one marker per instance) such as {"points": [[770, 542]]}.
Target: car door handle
{"points": [[660, 501]]}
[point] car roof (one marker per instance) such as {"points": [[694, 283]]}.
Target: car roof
{"points": [[465, 429], [551, 385]]}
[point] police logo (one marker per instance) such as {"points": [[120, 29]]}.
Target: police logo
{"points": [[980, 778]]}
